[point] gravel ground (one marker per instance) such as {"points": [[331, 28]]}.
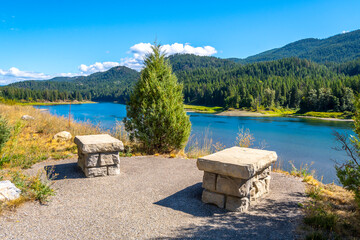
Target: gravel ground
{"points": [[152, 198]]}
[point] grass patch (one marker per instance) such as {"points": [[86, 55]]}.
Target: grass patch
{"points": [[31, 142], [204, 109], [331, 211], [337, 115]]}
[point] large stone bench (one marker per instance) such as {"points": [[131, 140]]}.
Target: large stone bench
{"points": [[99, 154], [236, 176]]}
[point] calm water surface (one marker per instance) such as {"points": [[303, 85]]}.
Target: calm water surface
{"points": [[302, 141]]}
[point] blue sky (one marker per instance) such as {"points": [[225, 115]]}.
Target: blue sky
{"points": [[42, 39]]}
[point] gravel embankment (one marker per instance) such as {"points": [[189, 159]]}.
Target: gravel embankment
{"points": [[152, 198]]}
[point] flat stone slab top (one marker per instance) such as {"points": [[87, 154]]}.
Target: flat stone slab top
{"points": [[98, 143], [237, 162]]}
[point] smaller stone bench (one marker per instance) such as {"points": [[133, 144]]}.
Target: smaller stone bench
{"points": [[99, 154], [236, 176]]}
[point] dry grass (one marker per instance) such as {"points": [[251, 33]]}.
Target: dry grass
{"points": [[32, 141], [331, 211]]}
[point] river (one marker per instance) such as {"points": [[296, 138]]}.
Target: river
{"points": [[299, 140]]}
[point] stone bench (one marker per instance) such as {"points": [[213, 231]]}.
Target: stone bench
{"points": [[99, 154], [236, 176]]}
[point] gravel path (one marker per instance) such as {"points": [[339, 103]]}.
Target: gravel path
{"points": [[152, 198]]}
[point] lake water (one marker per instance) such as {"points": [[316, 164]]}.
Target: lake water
{"points": [[300, 140]]}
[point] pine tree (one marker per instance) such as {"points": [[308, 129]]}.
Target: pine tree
{"points": [[155, 112]]}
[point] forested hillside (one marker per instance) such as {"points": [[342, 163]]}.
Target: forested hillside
{"points": [[112, 85], [292, 82], [339, 48]]}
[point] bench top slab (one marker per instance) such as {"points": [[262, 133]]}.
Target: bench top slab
{"points": [[237, 162], [98, 143]]}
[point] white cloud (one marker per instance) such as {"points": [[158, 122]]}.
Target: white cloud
{"points": [[97, 67], [345, 31], [138, 52], [135, 61], [141, 49], [14, 75]]}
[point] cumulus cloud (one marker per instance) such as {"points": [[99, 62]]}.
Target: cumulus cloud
{"points": [[97, 67], [14, 75], [345, 31], [135, 61], [139, 51]]}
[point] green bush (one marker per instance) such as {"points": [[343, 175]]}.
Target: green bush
{"points": [[156, 117], [5, 131], [349, 172]]}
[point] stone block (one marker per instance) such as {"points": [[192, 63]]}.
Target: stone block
{"points": [[209, 181], [217, 199], [114, 170], [265, 173], [116, 158], [237, 162], [267, 183], [233, 186], [260, 188], [106, 159], [98, 143], [253, 194], [81, 161], [236, 204], [96, 171], [92, 159]]}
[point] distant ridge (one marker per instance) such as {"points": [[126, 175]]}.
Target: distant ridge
{"points": [[339, 48]]}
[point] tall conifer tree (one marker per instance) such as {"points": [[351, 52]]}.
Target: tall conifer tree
{"points": [[155, 113]]}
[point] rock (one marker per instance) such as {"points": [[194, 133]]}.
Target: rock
{"points": [[236, 204], [209, 181], [114, 170], [27, 117], [237, 162], [98, 143], [95, 172], [233, 186], [106, 159], [265, 173], [64, 135], [92, 160], [217, 199], [8, 191]]}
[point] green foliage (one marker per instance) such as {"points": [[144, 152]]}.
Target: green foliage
{"points": [[5, 131], [112, 85], [338, 48], [208, 81], [349, 176], [155, 113], [349, 172], [321, 219]]}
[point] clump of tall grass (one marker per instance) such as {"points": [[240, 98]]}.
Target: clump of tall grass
{"points": [[196, 148], [31, 141]]}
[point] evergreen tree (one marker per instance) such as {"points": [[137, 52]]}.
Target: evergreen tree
{"points": [[155, 113]]}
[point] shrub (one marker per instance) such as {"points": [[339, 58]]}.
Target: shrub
{"points": [[4, 132], [349, 172], [156, 117]]}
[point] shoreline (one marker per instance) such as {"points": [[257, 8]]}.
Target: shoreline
{"points": [[53, 103], [243, 113]]}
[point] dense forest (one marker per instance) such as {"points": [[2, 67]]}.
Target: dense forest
{"points": [[112, 85], [310, 75], [339, 48], [292, 82]]}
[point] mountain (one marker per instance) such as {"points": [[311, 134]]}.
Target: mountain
{"points": [[339, 48], [116, 83]]}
